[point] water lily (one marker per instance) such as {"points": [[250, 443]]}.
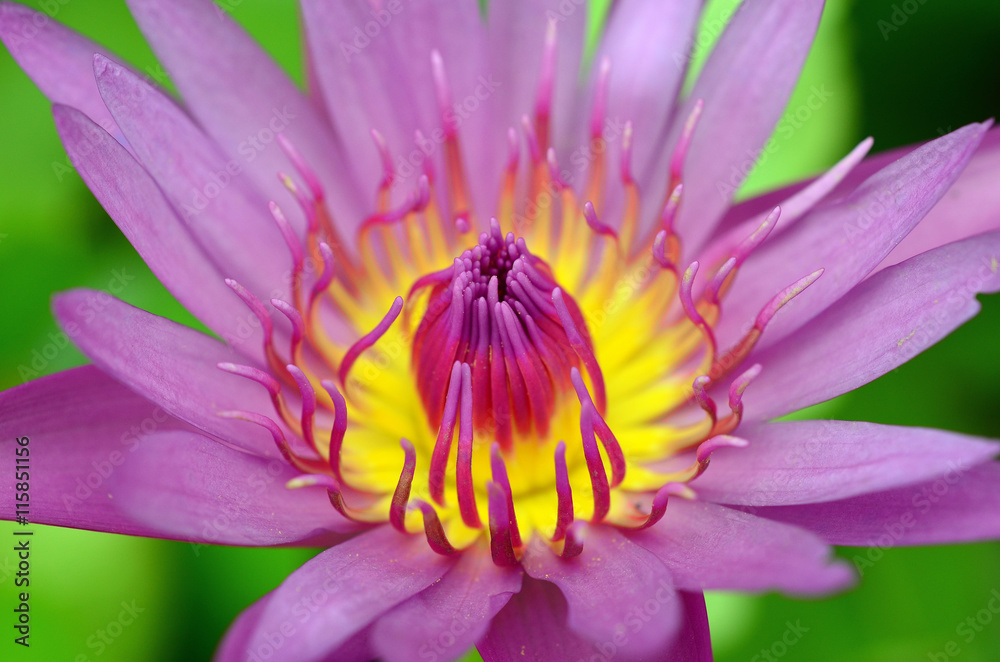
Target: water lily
{"points": [[490, 328]]}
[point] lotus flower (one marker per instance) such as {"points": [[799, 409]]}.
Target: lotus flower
{"points": [[490, 328]]}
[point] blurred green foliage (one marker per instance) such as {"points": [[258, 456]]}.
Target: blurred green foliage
{"points": [[937, 71]]}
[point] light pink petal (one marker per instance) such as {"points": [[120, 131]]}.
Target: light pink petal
{"points": [[847, 239], [190, 487], [343, 589], [516, 43], [58, 60], [375, 73], [707, 546], [532, 626], [879, 325], [243, 99], [649, 44], [611, 585], [445, 620], [961, 505], [745, 85], [971, 206], [213, 198], [809, 461], [169, 364], [144, 216], [82, 427], [795, 202]]}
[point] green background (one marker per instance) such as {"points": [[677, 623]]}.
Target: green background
{"points": [[938, 71]]}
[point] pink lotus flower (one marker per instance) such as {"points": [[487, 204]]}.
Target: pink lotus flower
{"points": [[493, 389]]}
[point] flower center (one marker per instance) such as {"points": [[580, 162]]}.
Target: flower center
{"points": [[493, 310], [501, 347]]}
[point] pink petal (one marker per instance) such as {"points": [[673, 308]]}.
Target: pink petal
{"points": [[533, 627], [82, 426], [745, 85], [810, 461], [375, 73], [218, 206], [612, 586], [169, 364], [446, 620], [961, 505], [847, 239], [971, 206], [243, 99], [189, 487], [694, 643], [58, 60], [879, 325], [707, 546], [649, 45], [138, 207], [320, 606]]}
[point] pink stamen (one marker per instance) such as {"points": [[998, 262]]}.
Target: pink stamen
{"points": [[308, 403], [442, 447], [499, 471], [611, 446], [397, 510], [312, 181], [582, 349], [436, 538], [368, 340], [564, 493], [501, 544], [595, 224], [339, 426], [595, 466], [463, 468]]}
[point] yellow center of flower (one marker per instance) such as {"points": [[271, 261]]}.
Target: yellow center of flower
{"points": [[539, 373]]}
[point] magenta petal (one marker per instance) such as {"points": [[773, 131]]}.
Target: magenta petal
{"points": [[58, 60], [138, 207], [961, 505], [707, 546], [612, 586], [82, 426], [847, 239], [447, 619], [533, 627], [213, 198], [745, 85], [694, 643], [193, 488], [809, 461], [343, 589], [171, 365], [243, 99], [879, 325]]}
